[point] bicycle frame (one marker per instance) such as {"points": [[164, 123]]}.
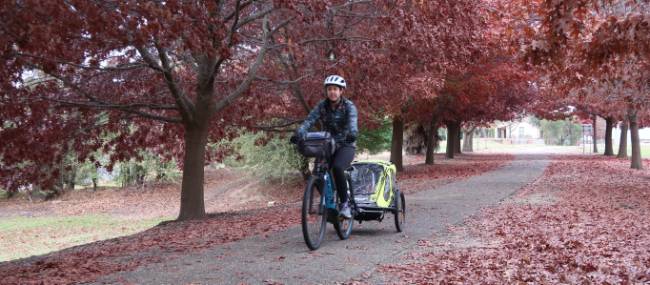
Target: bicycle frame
{"points": [[321, 167], [319, 170]]}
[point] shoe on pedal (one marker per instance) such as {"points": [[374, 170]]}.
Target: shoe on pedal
{"points": [[345, 211]]}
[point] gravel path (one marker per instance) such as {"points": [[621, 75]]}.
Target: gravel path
{"points": [[283, 257]]}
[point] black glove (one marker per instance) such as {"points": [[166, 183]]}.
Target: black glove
{"points": [[295, 139], [350, 138]]}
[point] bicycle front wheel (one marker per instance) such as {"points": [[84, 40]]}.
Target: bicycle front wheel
{"points": [[314, 214]]}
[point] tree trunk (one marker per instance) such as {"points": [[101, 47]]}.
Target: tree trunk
{"points": [[139, 175], [468, 143], [192, 204], [453, 139], [432, 140], [450, 140], [397, 142], [458, 132], [160, 171], [595, 140], [622, 145], [94, 184], [61, 182], [124, 172], [569, 126], [72, 177], [636, 147], [609, 147], [471, 141]]}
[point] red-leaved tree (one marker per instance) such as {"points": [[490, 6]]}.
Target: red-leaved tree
{"points": [[162, 75]]}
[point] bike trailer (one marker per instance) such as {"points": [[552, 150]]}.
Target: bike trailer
{"points": [[374, 186]]}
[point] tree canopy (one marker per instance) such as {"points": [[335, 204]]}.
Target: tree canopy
{"points": [[171, 76]]}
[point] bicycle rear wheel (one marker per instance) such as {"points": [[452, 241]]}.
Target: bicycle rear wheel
{"points": [[314, 214], [343, 227], [400, 211]]}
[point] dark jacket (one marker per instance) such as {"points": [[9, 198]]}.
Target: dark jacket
{"points": [[340, 122]]}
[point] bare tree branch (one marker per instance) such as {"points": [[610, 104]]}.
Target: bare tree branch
{"points": [[341, 38], [283, 82], [254, 17], [66, 82], [290, 67], [121, 67], [149, 59], [123, 108], [241, 7], [186, 106], [252, 71], [280, 127], [94, 102], [234, 23]]}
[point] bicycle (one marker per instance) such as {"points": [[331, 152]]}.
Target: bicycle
{"points": [[319, 199]]}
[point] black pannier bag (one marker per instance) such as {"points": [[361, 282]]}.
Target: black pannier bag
{"points": [[317, 144]]}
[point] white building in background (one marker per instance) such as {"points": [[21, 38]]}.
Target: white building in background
{"points": [[523, 132], [518, 132], [644, 135]]}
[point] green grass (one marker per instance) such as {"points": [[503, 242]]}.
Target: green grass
{"points": [[480, 144], [645, 151], [102, 183], [23, 223], [492, 145], [27, 236]]}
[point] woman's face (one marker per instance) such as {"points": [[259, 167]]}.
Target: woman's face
{"points": [[333, 92]]}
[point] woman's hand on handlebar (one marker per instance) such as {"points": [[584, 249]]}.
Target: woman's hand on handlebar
{"points": [[296, 138]]}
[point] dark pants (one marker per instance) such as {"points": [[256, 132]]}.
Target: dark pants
{"points": [[341, 161]]}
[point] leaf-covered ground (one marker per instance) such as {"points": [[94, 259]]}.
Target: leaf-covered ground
{"points": [[88, 262], [81, 217], [419, 176], [225, 190], [26, 236], [586, 221]]}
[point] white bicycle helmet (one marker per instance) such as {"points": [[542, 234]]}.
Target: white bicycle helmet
{"points": [[335, 80]]}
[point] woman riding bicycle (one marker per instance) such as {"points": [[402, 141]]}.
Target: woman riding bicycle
{"points": [[338, 116]]}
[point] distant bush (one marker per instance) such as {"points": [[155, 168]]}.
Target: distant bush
{"points": [[375, 140], [148, 168], [561, 132], [268, 157], [151, 168]]}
